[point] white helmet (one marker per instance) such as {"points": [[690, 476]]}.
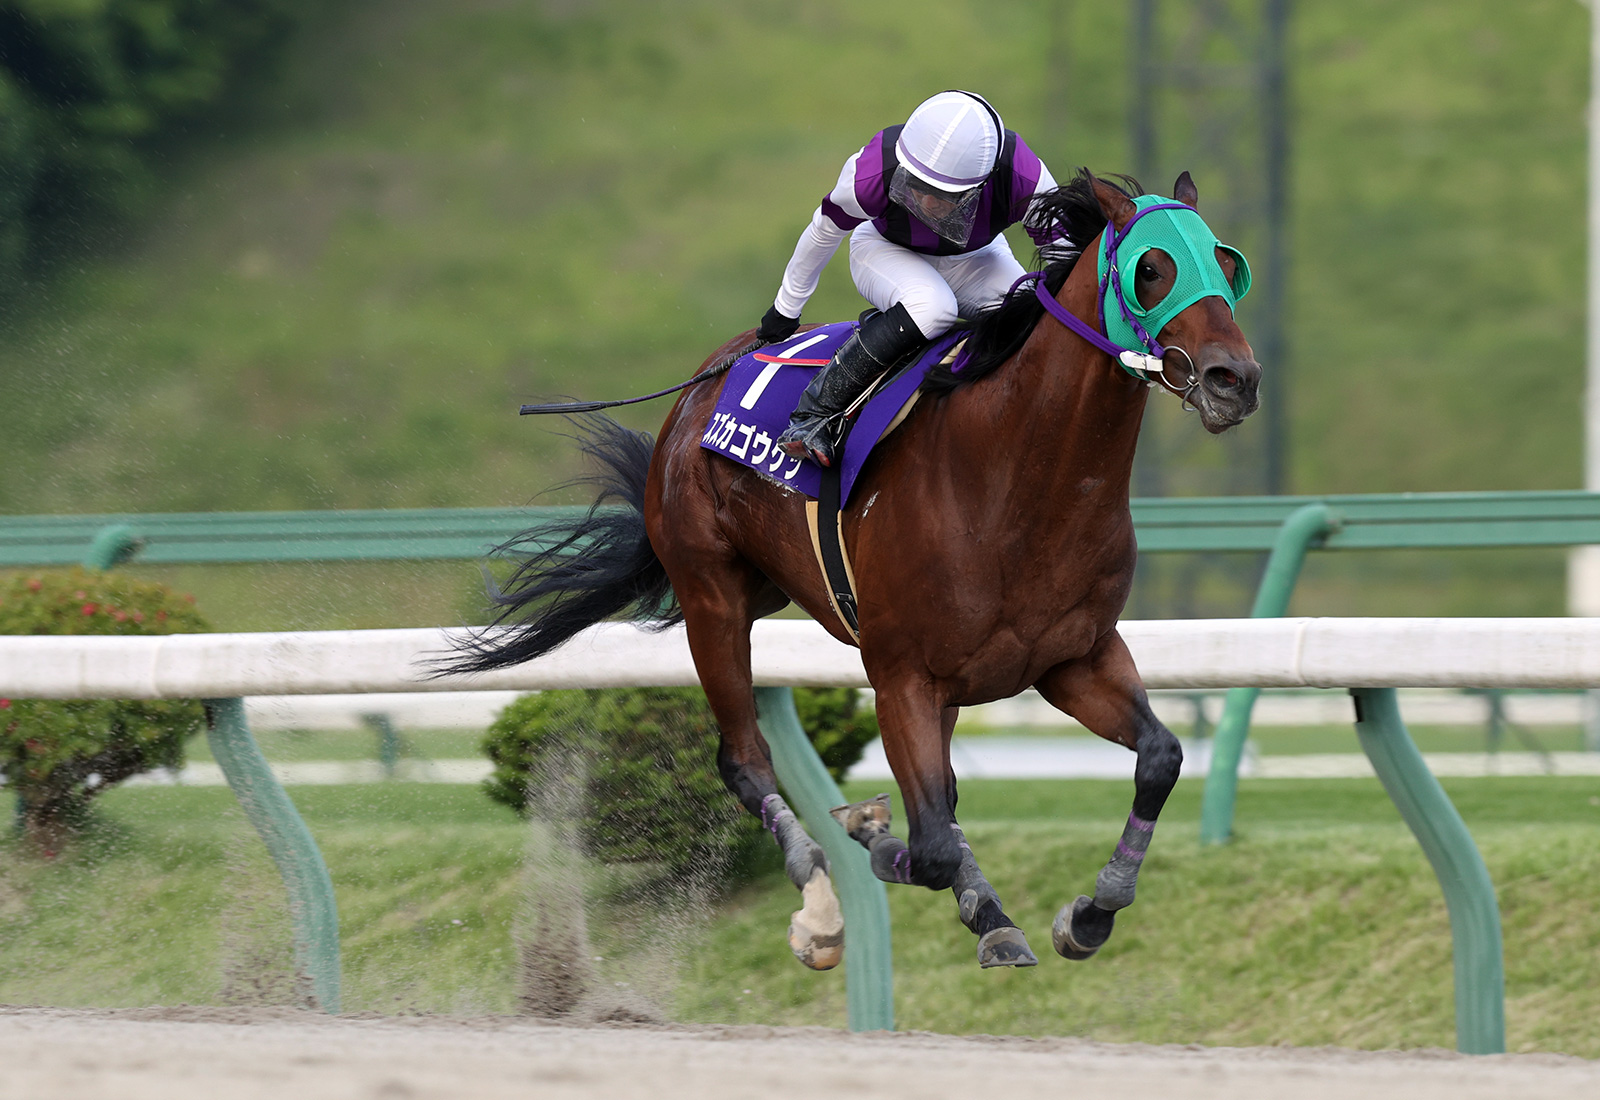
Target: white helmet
{"points": [[951, 141]]}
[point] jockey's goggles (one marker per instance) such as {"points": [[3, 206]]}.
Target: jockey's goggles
{"points": [[948, 213]]}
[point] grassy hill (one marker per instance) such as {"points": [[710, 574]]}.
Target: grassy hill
{"points": [[454, 207]]}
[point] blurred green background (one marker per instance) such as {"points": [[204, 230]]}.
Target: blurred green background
{"points": [[333, 288], [316, 255]]}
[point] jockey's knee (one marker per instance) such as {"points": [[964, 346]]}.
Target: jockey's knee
{"points": [[932, 312]]}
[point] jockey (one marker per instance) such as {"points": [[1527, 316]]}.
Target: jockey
{"points": [[925, 205]]}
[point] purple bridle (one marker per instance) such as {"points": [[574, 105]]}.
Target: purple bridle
{"points": [[1146, 365]]}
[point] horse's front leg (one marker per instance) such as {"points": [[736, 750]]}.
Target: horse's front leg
{"points": [[1104, 692], [916, 739]]}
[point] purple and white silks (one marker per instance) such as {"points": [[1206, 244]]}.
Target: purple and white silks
{"points": [[862, 195]]}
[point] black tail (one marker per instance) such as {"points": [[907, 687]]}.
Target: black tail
{"points": [[574, 574]]}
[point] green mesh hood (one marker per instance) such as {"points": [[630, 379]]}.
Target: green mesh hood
{"points": [[1182, 234]]}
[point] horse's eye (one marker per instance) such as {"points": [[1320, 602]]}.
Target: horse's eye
{"points": [[1147, 271]]}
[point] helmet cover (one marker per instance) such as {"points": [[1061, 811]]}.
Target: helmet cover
{"points": [[951, 141]]}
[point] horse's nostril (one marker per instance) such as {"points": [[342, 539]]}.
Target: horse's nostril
{"points": [[1223, 377]]}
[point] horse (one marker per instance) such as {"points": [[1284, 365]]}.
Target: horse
{"points": [[993, 551]]}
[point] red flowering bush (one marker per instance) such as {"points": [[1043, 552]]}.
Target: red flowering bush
{"points": [[58, 754]]}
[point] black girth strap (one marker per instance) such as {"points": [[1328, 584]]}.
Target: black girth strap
{"points": [[825, 515], [827, 538]]}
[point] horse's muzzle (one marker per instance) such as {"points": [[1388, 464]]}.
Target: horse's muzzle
{"points": [[1227, 391]]}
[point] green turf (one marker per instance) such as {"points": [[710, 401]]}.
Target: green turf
{"points": [[1322, 923], [173, 900], [355, 744], [1334, 935], [1278, 804], [1300, 740], [1297, 740]]}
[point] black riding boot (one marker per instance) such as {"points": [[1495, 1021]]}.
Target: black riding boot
{"points": [[872, 349]]}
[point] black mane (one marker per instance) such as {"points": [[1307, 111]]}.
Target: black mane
{"points": [[999, 332]]}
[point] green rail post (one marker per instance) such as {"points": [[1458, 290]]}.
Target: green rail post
{"points": [[388, 742], [288, 841], [112, 545], [1480, 983], [869, 962], [1303, 528]]}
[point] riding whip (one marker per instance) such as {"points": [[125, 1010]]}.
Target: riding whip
{"points": [[595, 406]]}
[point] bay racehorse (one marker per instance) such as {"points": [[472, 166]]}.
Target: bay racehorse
{"points": [[992, 545]]}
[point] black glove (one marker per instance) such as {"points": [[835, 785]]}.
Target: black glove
{"points": [[775, 326]]}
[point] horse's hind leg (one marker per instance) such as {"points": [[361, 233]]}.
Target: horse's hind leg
{"points": [[720, 602], [1000, 941], [1105, 694]]}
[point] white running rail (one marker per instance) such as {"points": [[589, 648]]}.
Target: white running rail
{"points": [[1197, 653]]}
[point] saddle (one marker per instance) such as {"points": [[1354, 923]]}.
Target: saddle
{"points": [[762, 390]]}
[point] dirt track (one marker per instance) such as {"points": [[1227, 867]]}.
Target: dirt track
{"points": [[178, 1054]]}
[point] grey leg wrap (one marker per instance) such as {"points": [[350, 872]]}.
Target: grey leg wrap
{"points": [[891, 859], [1000, 942], [972, 890], [1114, 886], [867, 823], [801, 854]]}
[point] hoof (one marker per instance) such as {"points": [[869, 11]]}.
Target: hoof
{"points": [[1005, 947], [816, 932], [1061, 931], [864, 820], [815, 950]]}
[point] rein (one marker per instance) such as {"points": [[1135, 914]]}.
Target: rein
{"points": [[1147, 366]]}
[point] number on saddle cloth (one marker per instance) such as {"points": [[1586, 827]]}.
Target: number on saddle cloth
{"points": [[764, 386]]}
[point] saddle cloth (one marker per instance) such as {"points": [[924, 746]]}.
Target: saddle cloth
{"points": [[764, 386]]}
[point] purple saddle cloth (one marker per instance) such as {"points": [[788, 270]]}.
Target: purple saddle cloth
{"points": [[764, 386]]}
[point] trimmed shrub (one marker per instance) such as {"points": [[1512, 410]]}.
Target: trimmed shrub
{"points": [[58, 754], [837, 724], [647, 758]]}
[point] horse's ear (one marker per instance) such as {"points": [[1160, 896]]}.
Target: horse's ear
{"points": [[1186, 192], [1114, 204]]}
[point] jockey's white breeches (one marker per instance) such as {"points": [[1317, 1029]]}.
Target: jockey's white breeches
{"points": [[935, 290]]}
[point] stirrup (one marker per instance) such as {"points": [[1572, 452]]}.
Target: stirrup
{"points": [[809, 440], [866, 354]]}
